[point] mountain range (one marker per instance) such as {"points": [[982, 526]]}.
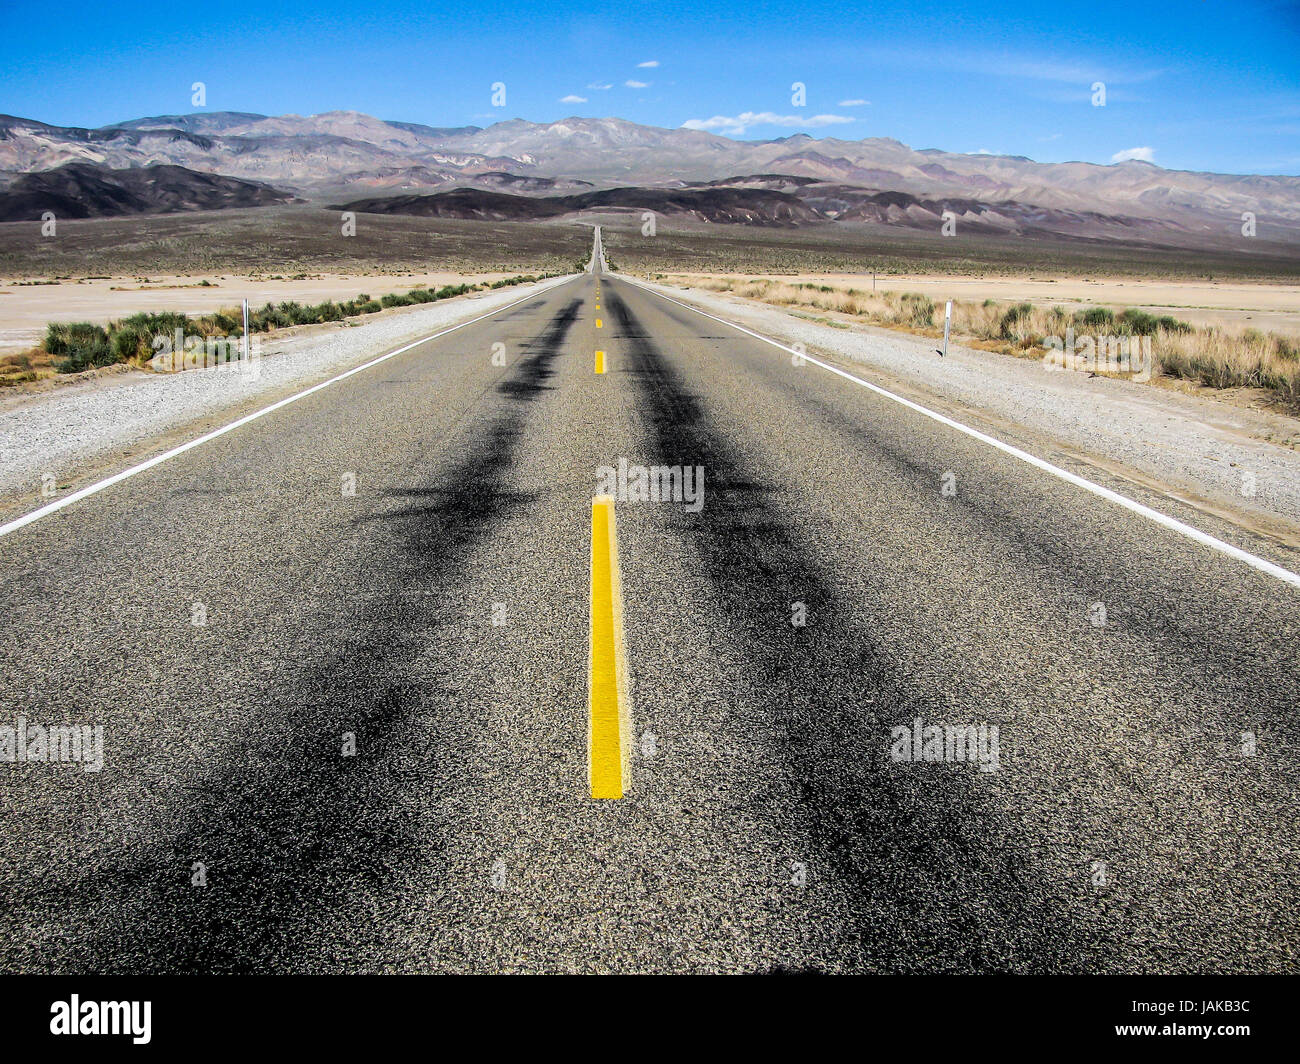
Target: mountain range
{"points": [[796, 180]]}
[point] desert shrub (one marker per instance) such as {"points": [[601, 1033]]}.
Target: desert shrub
{"points": [[132, 341], [1092, 317], [920, 308], [1251, 359], [224, 324], [1008, 327], [158, 323], [1140, 323], [1136, 322], [1208, 355], [75, 346], [294, 313], [80, 345], [267, 318]]}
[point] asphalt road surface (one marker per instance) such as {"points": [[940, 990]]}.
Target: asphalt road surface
{"points": [[353, 731]]}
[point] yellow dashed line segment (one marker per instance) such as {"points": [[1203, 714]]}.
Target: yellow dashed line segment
{"points": [[607, 682]]}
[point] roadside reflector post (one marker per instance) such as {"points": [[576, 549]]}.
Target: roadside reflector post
{"points": [[947, 322], [245, 332]]}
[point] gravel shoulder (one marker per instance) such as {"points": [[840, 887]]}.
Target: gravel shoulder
{"points": [[102, 423], [1235, 462]]}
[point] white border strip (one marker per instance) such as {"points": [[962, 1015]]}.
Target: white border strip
{"points": [[1171, 523], [76, 496]]}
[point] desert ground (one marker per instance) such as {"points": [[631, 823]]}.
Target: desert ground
{"points": [[26, 308], [860, 249], [286, 241], [1234, 305]]}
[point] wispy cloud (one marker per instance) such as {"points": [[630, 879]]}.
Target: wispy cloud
{"points": [[740, 123], [573, 99], [600, 86], [637, 84], [1146, 155], [1074, 68], [854, 103], [648, 63], [1055, 69]]}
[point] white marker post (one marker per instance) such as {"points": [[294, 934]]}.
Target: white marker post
{"points": [[245, 333], [947, 321]]}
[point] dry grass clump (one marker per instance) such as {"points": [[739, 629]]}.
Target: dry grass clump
{"points": [[25, 366], [1211, 356], [1250, 359]]}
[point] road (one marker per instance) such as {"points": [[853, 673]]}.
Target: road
{"points": [[354, 731]]}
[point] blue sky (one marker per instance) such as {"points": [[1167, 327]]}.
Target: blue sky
{"points": [[1198, 84]]}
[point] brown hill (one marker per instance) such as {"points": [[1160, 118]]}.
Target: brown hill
{"points": [[82, 190]]}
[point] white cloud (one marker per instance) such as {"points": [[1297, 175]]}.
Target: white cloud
{"points": [[854, 103], [648, 63], [600, 86], [1146, 155], [739, 123], [573, 99], [637, 84]]}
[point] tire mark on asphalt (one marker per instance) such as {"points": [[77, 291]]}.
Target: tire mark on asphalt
{"points": [[285, 826], [1196, 650], [914, 852]]}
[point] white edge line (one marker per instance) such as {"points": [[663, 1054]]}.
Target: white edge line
{"points": [[1171, 523], [91, 489]]}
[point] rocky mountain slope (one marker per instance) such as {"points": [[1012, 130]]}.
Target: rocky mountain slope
{"points": [[344, 155], [82, 190]]}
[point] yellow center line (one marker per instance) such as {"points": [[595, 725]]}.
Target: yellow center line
{"points": [[608, 703], [600, 361], [599, 323]]}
